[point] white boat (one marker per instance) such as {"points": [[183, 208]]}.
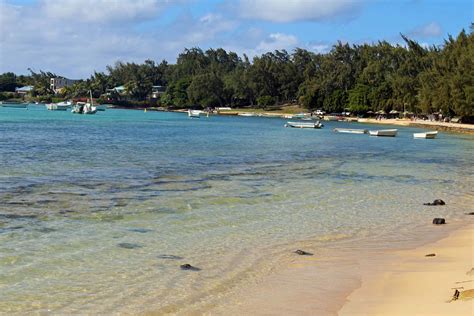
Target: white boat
{"points": [[384, 132], [14, 104], [316, 124], [427, 135], [350, 130], [85, 108], [247, 114], [330, 118], [197, 113], [61, 106]]}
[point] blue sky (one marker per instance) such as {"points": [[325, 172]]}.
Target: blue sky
{"points": [[74, 38]]}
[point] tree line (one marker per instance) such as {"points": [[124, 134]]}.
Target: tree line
{"points": [[357, 78]]}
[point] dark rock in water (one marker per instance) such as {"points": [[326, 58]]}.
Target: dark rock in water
{"points": [[470, 213], [187, 266], [15, 227], [435, 202], [46, 230], [439, 221], [139, 230], [14, 216], [303, 253], [127, 245], [170, 257], [66, 211], [430, 255]]}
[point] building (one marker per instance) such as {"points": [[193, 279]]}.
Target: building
{"points": [[156, 91], [24, 90], [58, 83]]}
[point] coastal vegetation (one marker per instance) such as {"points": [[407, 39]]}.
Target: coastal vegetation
{"points": [[356, 78]]}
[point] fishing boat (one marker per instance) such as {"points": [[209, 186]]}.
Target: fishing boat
{"points": [[426, 135], [384, 132], [350, 130], [14, 104], [85, 108], [316, 124], [61, 106], [197, 113]]}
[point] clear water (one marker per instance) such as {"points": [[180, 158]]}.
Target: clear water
{"points": [[98, 212]]}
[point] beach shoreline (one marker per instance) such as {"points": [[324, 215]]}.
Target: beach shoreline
{"points": [[419, 281], [359, 284]]}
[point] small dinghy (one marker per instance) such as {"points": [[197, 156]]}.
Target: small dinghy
{"points": [[350, 130], [427, 135], [384, 132], [304, 124]]}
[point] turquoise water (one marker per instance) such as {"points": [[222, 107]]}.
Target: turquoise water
{"points": [[98, 212]]}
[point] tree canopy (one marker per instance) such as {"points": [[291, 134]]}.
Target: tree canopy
{"points": [[380, 76]]}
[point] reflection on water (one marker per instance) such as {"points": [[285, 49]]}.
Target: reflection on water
{"points": [[98, 213]]}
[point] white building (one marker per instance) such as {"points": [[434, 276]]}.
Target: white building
{"points": [[59, 82]]}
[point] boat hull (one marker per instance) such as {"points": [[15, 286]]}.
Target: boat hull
{"points": [[15, 105], [384, 133], [350, 131], [316, 125], [427, 135]]}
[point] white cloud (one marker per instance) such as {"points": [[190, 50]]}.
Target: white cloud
{"points": [[429, 30], [319, 47], [101, 10], [277, 41], [296, 10]]}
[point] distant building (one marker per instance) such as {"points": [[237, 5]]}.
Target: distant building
{"points": [[119, 90], [58, 83], [156, 91], [24, 90]]}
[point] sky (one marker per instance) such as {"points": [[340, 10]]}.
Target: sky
{"points": [[75, 38]]}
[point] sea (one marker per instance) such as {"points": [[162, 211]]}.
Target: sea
{"points": [[98, 212]]}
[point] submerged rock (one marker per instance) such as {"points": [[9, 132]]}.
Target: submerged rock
{"points": [[439, 221], [170, 257], [139, 230], [187, 266], [435, 202], [127, 245], [303, 253]]}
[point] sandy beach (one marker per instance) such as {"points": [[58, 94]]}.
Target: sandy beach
{"points": [[442, 126], [390, 282], [411, 283]]}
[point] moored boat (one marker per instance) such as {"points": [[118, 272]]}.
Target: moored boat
{"points": [[316, 124], [247, 114], [426, 135], [350, 130], [384, 132], [61, 106], [14, 104], [85, 108], [197, 113]]}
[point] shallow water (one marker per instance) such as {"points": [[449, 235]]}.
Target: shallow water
{"points": [[98, 212]]}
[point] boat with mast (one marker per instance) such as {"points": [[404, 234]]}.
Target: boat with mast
{"points": [[85, 108]]}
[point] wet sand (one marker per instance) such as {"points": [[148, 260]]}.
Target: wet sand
{"points": [[410, 283], [369, 282]]}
